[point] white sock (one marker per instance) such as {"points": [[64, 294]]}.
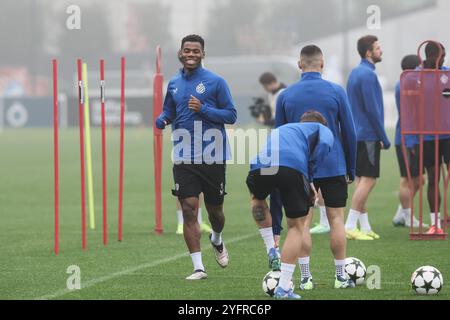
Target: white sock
{"points": [[267, 236], [352, 220], [399, 213], [407, 214], [433, 219], [180, 216], [287, 270], [323, 216], [304, 267], [197, 261], [199, 216], [340, 268], [216, 238], [364, 222]]}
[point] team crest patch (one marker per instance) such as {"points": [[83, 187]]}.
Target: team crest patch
{"points": [[444, 79], [200, 88]]}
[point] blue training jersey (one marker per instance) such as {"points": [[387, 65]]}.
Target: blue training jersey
{"points": [[366, 100], [314, 93], [299, 146], [199, 137], [410, 140]]}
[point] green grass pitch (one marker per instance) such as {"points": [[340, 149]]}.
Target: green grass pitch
{"points": [[147, 266]]}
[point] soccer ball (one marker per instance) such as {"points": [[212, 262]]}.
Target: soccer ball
{"points": [[356, 270], [270, 282], [427, 280]]}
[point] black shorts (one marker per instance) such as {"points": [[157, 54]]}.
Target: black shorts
{"points": [[193, 179], [429, 152], [368, 159], [413, 159], [334, 191], [294, 189]]}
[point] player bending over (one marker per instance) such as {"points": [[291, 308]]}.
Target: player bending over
{"points": [[294, 149]]}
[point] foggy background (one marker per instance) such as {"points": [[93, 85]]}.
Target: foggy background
{"points": [[243, 39]]}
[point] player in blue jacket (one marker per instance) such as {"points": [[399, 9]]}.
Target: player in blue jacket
{"points": [[366, 99], [432, 56], [338, 167], [287, 163], [403, 215], [198, 103]]}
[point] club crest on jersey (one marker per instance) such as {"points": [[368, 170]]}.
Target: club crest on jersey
{"points": [[174, 91], [444, 79], [200, 88]]}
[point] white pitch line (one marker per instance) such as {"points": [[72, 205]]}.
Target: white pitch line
{"points": [[96, 281]]}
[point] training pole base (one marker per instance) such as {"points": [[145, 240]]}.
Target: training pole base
{"points": [[423, 236], [159, 231]]}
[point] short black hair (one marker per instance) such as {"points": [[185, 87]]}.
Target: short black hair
{"points": [[366, 44], [410, 62], [267, 78], [314, 116], [432, 54], [193, 38], [310, 51], [432, 49]]}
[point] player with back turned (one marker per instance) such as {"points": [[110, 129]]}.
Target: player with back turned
{"points": [[338, 167]]}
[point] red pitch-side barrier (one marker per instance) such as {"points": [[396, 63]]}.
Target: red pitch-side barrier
{"points": [[425, 110], [157, 140]]}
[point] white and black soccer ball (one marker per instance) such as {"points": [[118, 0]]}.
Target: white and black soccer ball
{"points": [[427, 280], [356, 270], [270, 282]]}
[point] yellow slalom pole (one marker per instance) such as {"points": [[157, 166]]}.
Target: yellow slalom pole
{"points": [[88, 149]]}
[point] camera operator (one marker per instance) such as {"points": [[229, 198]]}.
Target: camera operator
{"points": [[265, 114], [273, 88]]}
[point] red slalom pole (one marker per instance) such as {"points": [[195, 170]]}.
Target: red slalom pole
{"points": [[56, 152], [83, 179], [122, 129], [157, 140], [102, 99]]}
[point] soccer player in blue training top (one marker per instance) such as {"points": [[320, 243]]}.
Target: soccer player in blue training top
{"points": [[366, 99], [338, 167], [273, 88], [204, 227], [198, 103], [287, 163], [432, 55], [403, 215]]}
